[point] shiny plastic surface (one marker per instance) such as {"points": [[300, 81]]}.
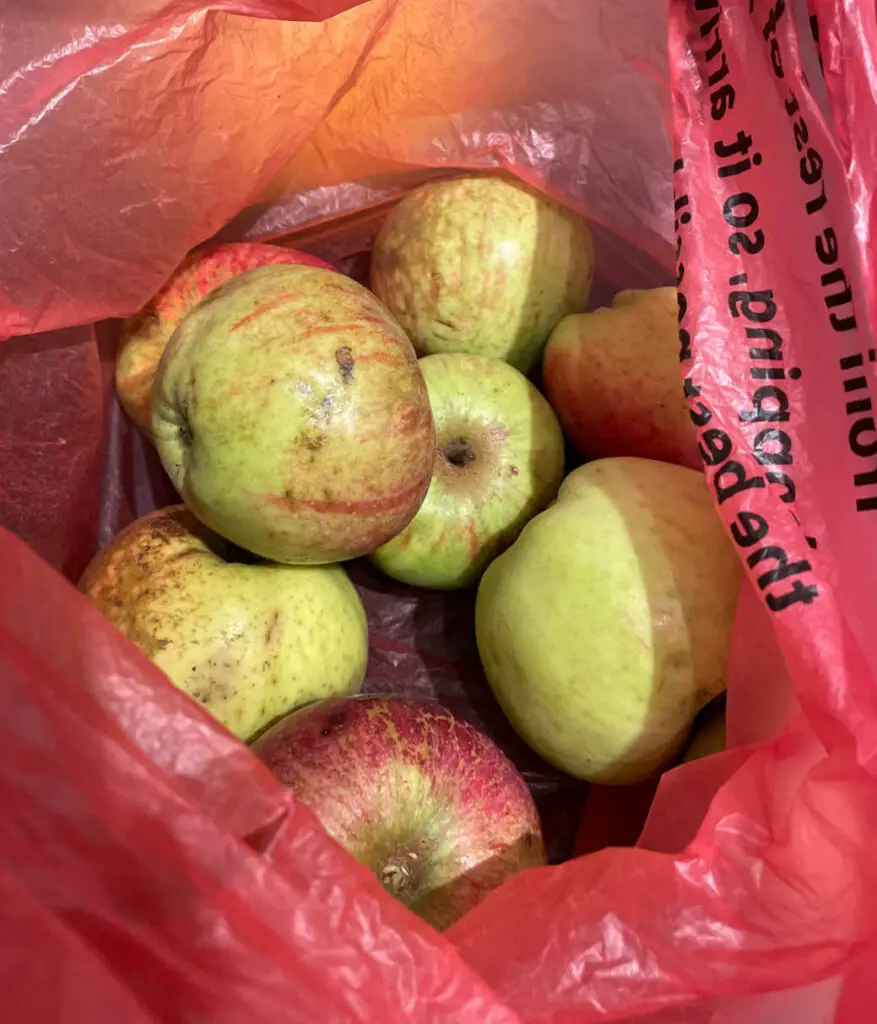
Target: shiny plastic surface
{"points": [[151, 869], [193, 114]]}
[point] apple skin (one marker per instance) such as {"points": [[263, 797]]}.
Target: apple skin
{"points": [[500, 461], [612, 376], [248, 640], [482, 265], [291, 415], [606, 627], [423, 799], [145, 335], [709, 733]]}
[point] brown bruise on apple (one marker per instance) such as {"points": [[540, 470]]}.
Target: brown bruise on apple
{"points": [[423, 799]]}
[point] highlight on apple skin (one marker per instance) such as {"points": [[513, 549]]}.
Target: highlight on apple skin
{"points": [[422, 798], [291, 415], [145, 335], [483, 265], [500, 457]]}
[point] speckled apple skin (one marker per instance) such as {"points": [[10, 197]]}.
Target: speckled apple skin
{"points": [[248, 640]]}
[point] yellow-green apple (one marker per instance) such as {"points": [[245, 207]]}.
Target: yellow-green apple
{"points": [[483, 265], [426, 801], [499, 462], [291, 415], [709, 733], [605, 628], [612, 376], [250, 640], [145, 335]]}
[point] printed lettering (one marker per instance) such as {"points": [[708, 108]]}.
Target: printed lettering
{"points": [[749, 529], [731, 480]]}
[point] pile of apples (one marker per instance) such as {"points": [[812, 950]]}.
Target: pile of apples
{"points": [[306, 420]]}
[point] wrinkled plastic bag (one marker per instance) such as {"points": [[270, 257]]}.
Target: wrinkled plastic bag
{"points": [[151, 869]]}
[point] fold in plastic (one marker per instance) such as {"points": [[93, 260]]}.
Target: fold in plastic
{"points": [[151, 869], [131, 131]]}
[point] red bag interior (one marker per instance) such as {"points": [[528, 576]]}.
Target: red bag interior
{"points": [[151, 867]]}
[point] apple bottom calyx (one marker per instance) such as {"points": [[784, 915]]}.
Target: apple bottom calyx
{"points": [[401, 858], [458, 452], [421, 799], [402, 875]]}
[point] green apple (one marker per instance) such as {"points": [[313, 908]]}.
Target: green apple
{"points": [[482, 265], [500, 461], [605, 628], [291, 415], [249, 640], [612, 376]]}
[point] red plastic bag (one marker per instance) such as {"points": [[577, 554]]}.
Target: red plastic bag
{"points": [[151, 868]]}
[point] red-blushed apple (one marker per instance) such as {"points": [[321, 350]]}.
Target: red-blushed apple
{"points": [[250, 640], [426, 801], [499, 462], [145, 335], [291, 415], [612, 376], [483, 265]]}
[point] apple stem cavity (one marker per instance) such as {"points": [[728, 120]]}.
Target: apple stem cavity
{"points": [[184, 405], [459, 453]]}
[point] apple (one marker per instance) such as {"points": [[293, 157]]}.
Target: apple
{"points": [[291, 415], [483, 265], [708, 736], [420, 797], [145, 335], [249, 640], [500, 461], [605, 628], [612, 376]]}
